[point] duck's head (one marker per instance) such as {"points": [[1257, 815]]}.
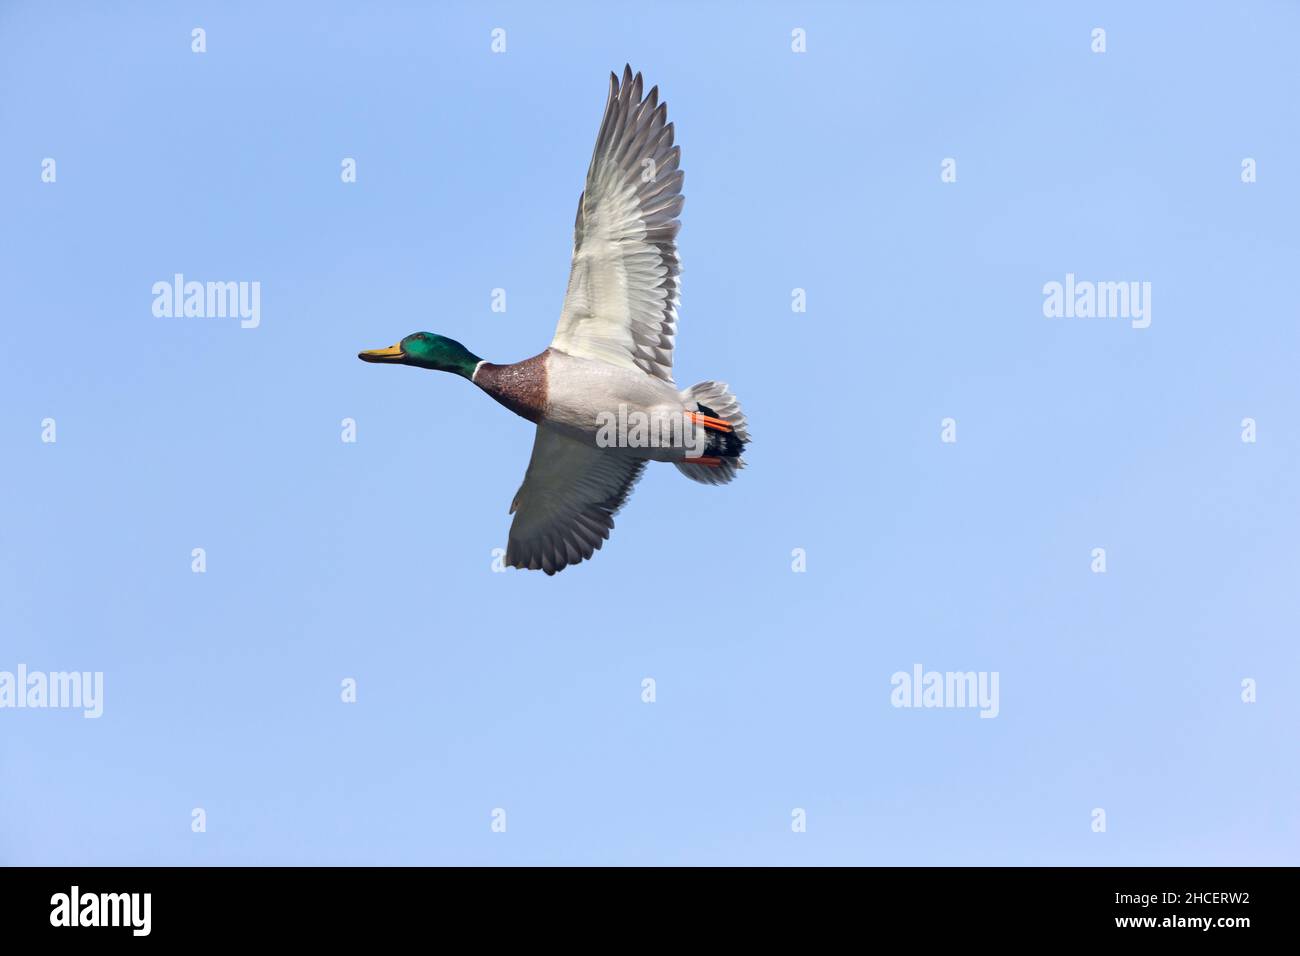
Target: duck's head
{"points": [[426, 350]]}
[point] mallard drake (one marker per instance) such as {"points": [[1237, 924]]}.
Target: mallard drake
{"points": [[602, 395]]}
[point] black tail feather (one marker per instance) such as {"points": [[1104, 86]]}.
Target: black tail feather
{"points": [[720, 444]]}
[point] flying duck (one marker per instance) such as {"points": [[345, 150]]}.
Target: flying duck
{"points": [[602, 394]]}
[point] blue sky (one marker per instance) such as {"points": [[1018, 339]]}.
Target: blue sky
{"points": [[373, 560]]}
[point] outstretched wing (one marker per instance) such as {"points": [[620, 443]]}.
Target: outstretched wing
{"points": [[621, 305], [565, 508]]}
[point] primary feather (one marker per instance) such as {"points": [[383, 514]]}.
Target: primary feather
{"points": [[621, 303]]}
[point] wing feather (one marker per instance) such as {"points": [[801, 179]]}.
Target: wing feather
{"points": [[564, 510], [621, 303]]}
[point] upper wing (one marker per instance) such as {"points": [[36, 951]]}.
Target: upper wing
{"points": [[565, 508], [621, 305]]}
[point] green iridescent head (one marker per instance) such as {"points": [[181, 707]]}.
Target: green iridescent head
{"points": [[426, 350]]}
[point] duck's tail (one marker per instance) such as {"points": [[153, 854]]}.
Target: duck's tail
{"points": [[726, 439]]}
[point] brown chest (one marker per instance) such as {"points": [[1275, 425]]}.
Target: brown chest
{"points": [[520, 387]]}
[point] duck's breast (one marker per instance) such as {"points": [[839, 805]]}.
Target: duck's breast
{"points": [[520, 387]]}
